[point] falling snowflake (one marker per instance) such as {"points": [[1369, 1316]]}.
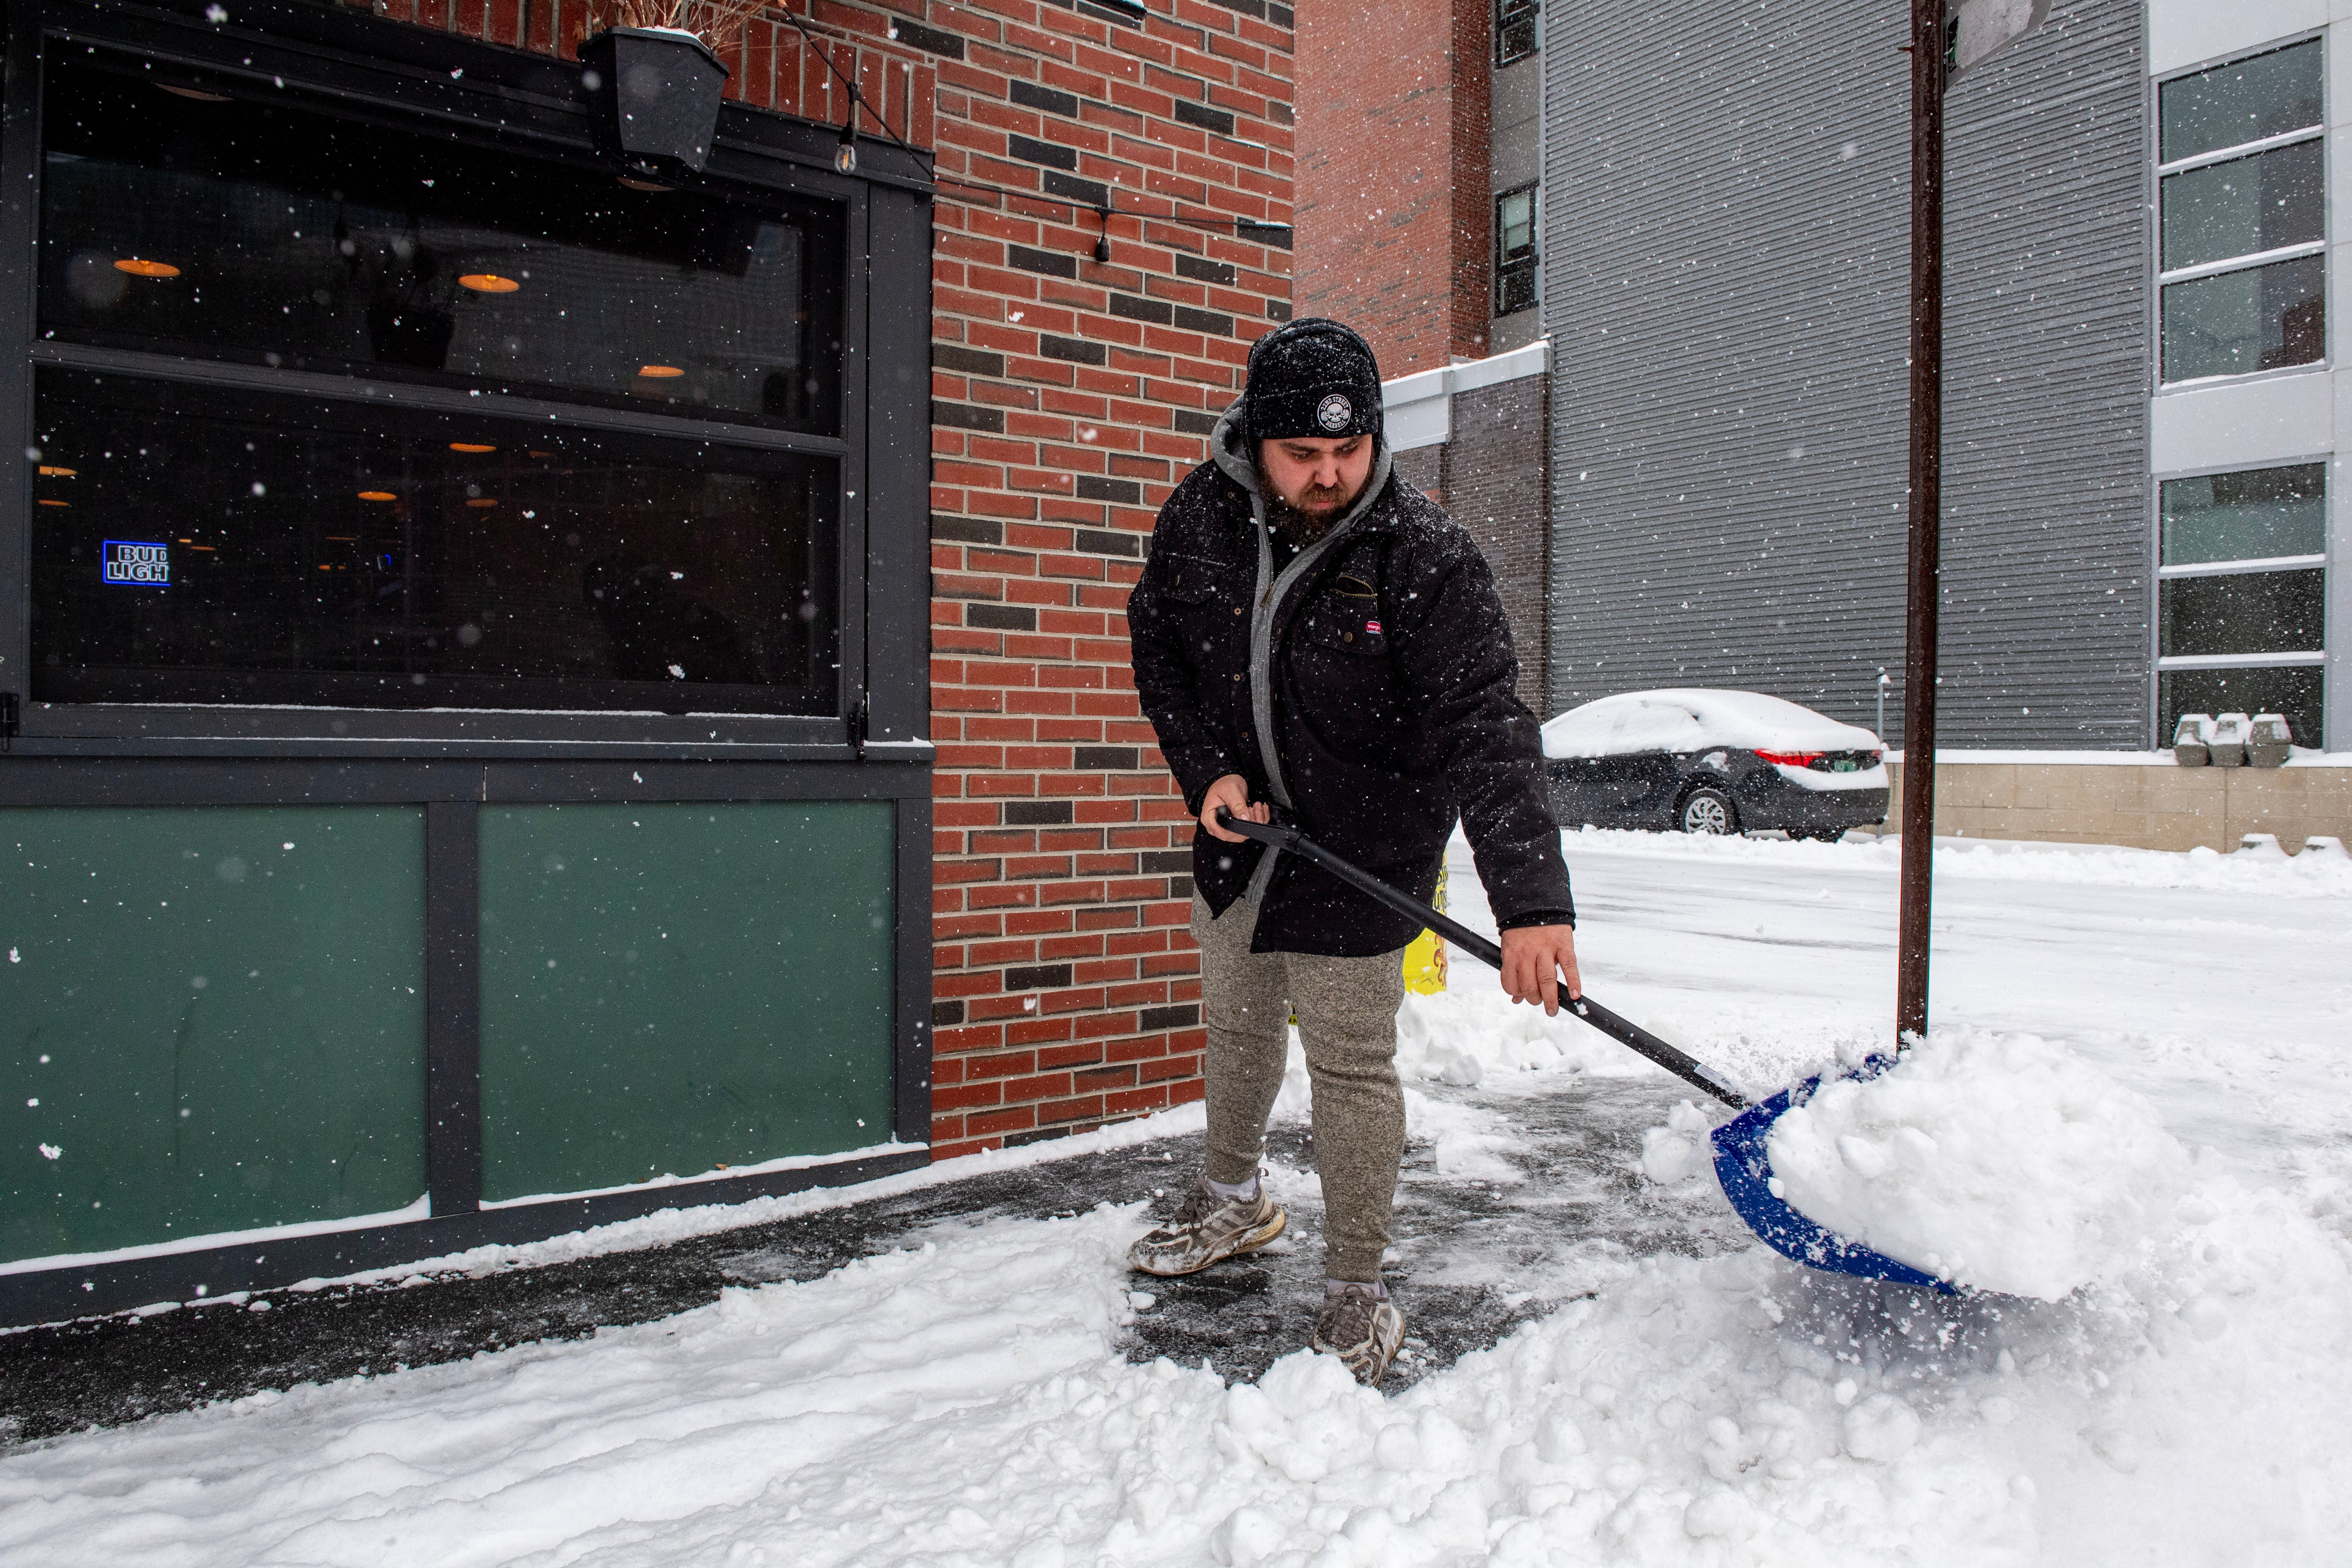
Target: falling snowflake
{"points": [[50, 1150]]}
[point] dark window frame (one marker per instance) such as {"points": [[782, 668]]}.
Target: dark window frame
{"points": [[1518, 31], [1518, 272], [360, 66]]}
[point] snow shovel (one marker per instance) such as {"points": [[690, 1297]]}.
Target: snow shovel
{"points": [[1741, 1165]]}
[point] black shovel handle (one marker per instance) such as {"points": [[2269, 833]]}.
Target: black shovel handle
{"points": [[1623, 1030]]}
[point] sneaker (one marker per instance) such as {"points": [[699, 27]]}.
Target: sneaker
{"points": [[1207, 1229], [1362, 1330]]}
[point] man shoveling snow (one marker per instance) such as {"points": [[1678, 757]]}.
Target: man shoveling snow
{"points": [[1312, 631]]}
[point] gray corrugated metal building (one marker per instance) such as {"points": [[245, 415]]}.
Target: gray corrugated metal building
{"points": [[1724, 256]]}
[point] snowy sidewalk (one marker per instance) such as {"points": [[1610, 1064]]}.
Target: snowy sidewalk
{"points": [[1567, 1156], [986, 1390]]}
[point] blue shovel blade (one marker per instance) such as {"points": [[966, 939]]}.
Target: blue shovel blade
{"points": [[1745, 1170]]}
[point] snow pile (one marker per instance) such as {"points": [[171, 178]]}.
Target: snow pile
{"points": [[1464, 1035], [2305, 876], [1692, 719], [1679, 1150], [1461, 1038], [1995, 1160], [2323, 874], [964, 1403]]}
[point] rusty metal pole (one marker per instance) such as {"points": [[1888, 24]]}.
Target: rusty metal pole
{"points": [[1926, 515]]}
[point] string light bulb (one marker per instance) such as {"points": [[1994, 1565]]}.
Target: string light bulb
{"points": [[845, 157]]}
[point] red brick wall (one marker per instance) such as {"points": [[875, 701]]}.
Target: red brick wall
{"points": [[1470, 303], [1069, 398], [1393, 210]]}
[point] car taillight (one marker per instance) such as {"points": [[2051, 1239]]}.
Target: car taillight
{"points": [[1793, 759]]}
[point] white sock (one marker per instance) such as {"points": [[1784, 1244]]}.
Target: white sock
{"points": [[1377, 1290], [1234, 1192]]}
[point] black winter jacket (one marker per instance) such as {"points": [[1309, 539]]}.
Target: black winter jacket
{"points": [[1388, 689]]}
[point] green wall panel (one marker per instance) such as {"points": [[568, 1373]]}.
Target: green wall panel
{"points": [[215, 1015], [667, 988]]}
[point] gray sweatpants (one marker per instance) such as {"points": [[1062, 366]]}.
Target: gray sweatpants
{"points": [[1347, 1010]]}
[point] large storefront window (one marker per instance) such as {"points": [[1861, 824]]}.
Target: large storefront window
{"points": [[448, 576], [196, 546], [291, 529], [2242, 596]]}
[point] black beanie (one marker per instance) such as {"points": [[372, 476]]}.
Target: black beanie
{"points": [[1312, 377]]}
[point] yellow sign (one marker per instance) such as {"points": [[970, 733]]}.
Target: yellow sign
{"points": [[1424, 960]]}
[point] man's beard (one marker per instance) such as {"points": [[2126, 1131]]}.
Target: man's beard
{"points": [[1305, 526]]}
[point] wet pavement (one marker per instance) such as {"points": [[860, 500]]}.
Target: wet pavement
{"points": [[1523, 1180], [1554, 1179]]}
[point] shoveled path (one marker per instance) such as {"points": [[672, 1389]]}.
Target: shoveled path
{"points": [[1475, 1257]]}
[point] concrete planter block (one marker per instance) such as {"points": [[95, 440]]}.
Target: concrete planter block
{"points": [[2261, 846], [2268, 742], [2190, 740], [2326, 844], [2227, 743]]}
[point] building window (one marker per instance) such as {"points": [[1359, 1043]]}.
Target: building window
{"points": [[1517, 31], [2242, 191], [1515, 250], [332, 414], [2242, 596]]}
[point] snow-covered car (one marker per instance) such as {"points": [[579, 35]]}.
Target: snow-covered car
{"points": [[1706, 760]]}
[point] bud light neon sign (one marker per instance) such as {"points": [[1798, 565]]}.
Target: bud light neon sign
{"points": [[144, 565]]}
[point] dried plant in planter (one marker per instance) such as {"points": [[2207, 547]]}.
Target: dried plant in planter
{"points": [[718, 23]]}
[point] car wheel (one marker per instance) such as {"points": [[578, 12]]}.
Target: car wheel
{"points": [[1818, 835], [1706, 810]]}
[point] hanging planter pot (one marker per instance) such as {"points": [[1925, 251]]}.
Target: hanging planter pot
{"points": [[653, 96]]}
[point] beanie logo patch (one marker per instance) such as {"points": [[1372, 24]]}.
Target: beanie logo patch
{"points": [[1334, 412]]}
